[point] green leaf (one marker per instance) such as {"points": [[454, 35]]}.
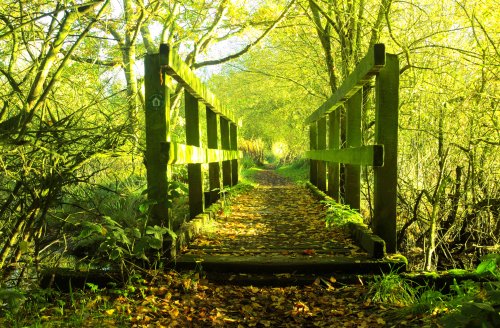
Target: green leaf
{"points": [[488, 265], [155, 243]]}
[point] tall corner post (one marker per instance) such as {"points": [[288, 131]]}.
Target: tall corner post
{"points": [[157, 116], [233, 131], [353, 139], [321, 145], [313, 145], [213, 143], [195, 175], [386, 133]]}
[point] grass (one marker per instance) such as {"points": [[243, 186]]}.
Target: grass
{"points": [[297, 171]]}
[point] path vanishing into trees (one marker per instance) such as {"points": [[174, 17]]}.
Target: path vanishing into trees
{"points": [[276, 229]]}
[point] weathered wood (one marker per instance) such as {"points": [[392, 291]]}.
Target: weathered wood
{"points": [[213, 168], [225, 139], [321, 165], [157, 127], [180, 71], [286, 264], [195, 176], [367, 67], [177, 154], [313, 145], [233, 131], [371, 243], [353, 140], [334, 143], [372, 155], [386, 133]]}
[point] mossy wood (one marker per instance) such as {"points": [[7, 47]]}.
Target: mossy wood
{"points": [[180, 71], [177, 154], [382, 155], [161, 152]]}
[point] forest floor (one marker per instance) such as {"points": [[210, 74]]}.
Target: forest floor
{"points": [[277, 217]]}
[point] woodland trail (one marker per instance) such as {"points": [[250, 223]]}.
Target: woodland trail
{"points": [[277, 218]]}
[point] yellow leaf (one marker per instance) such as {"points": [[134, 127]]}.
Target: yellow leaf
{"points": [[110, 311], [381, 321]]}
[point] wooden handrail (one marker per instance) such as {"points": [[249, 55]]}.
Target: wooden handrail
{"points": [[161, 152], [325, 163]]}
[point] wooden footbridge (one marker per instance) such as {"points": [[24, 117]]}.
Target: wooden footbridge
{"points": [[336, 155]]}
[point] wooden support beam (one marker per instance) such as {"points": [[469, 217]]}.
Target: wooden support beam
{"points": [[180, 71], [367, 67], [321, 165], [233, 131], [372, 155], [213, 168], [353, 140], [195, 176], [313, 145], [225, 139], [157, 127], [176, 154], [386, 133], [334, 144]]}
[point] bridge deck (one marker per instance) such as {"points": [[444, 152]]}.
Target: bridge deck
{"points": [[277, 229]]}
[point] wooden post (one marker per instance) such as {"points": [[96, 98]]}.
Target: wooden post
{"points": [[321, 165], [225, 144], [157, 128], [213, 168], [195, 177], [234, 146], [313, 143], [334, 143], [386, 133], [353, 139]]}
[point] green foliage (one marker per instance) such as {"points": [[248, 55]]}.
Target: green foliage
{"points": [[297, 171], [392, 289], [340, 214]]}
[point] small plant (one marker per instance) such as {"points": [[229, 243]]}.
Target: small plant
{"points": [[340, 214], [392, 289]]}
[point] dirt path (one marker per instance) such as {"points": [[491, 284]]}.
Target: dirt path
{"points": [[276, 218]]}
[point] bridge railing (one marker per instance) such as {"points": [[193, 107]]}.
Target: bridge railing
{"points": [[337, 139], [220, 153]]}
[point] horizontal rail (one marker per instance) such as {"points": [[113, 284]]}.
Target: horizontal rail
{"points": [[372, 155], [176, 154], [367, 67], [180, 71]]}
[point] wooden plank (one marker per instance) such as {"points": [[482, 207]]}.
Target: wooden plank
{"points": [[367, 67], [157, 122], [177, 154], [334, 143], [226, 145], [195, 175], [386, 133], [372, 155], [213, 168], [233, 131], [313, 144], [321, 165], [180, 71], [353, 140]]}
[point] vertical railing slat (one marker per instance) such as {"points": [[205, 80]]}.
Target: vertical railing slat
{"points": [[225, 144], [213, 168], [386, 133], [195, 176], [313, 145], [353, 139], [321, 165], [334, 143], [234, 146]]}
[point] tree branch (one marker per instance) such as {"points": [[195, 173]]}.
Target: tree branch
{"points": [[250, 45]]}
